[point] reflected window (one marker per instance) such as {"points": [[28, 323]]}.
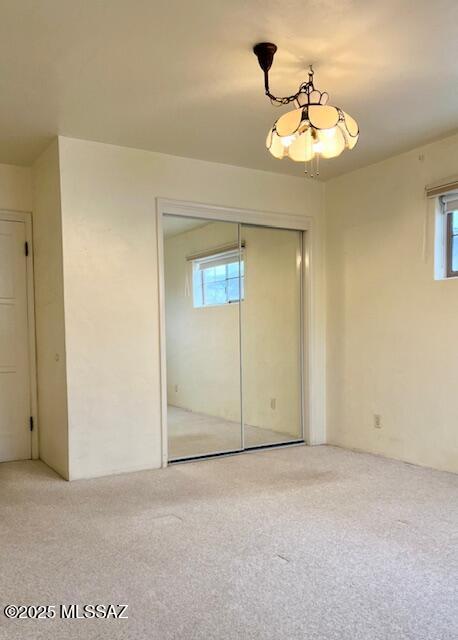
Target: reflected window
{"points": [[218, 279]]}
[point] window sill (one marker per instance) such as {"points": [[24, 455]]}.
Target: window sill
{"points": [[224, 304], [445, 278]]}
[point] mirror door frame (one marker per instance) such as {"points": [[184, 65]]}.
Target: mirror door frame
{"points": [[312, 433]]}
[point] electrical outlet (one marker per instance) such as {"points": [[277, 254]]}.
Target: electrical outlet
{"points": [[273, 403], [377, 421]]}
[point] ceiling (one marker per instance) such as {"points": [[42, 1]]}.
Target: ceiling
{"points": [[179, 76], [174, 225]]}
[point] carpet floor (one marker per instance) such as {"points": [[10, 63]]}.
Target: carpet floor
{"points": [[194, 434], [300, 543]]}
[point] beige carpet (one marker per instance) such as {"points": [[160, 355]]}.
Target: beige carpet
{"points": [[193, 434], [286, 544]]}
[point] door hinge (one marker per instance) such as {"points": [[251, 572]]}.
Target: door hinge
{"points": [[26, 248], [31, 423]]}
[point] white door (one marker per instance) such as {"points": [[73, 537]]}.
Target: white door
{"points": [[15, 436]]}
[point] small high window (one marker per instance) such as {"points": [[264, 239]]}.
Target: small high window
{"points": [[218, 279], [446, 236], [452, 244]]}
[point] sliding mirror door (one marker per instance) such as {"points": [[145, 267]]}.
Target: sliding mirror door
{"points": [[271, 322], [203, 282]]}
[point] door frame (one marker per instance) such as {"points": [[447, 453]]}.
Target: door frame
{"points": [[26, 218], [217, 213]]}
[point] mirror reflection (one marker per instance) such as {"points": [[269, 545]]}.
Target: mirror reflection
{"points": [[233, 336]]}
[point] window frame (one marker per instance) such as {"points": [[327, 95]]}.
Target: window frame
{"points": [[451, 273], [200, 281]]}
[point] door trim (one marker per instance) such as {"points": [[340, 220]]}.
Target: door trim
{"points": [[26, 218], [269, 219]]}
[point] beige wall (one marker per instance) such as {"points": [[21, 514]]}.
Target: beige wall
{"points": [[49, 312], [203, 360], [392, 329], [15, 188], [111, 288]]}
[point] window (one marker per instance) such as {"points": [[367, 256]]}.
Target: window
{"points": [[446, 236], [218, 279], [452, 244]]}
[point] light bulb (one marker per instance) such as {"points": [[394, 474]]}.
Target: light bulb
{"points": [[318, 146], [287, 140], [329, 133], [332, 142]]}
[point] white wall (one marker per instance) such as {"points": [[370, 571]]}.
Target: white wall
{"points": [[392, 329], [15, 188], [391, 335], [203, 361], [111, 288], [49, 312]]}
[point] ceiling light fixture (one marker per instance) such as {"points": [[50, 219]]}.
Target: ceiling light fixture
{"points": [[313, 128]]}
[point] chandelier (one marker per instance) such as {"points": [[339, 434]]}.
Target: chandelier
{"points": [[313, 128]]}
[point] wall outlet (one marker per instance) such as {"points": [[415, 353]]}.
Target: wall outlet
{"points": [[273, 403], [377, 421]]}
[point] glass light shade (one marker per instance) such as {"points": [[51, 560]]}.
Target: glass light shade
{"points": [[315, 97], [287, 140], [333, 141], [273, 143], [323, 116], [288, 123], [301, 150], [314, 129]]}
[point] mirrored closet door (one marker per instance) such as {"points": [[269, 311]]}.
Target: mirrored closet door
{"points": [[271, 336], [203, 280], [233, 315]]}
